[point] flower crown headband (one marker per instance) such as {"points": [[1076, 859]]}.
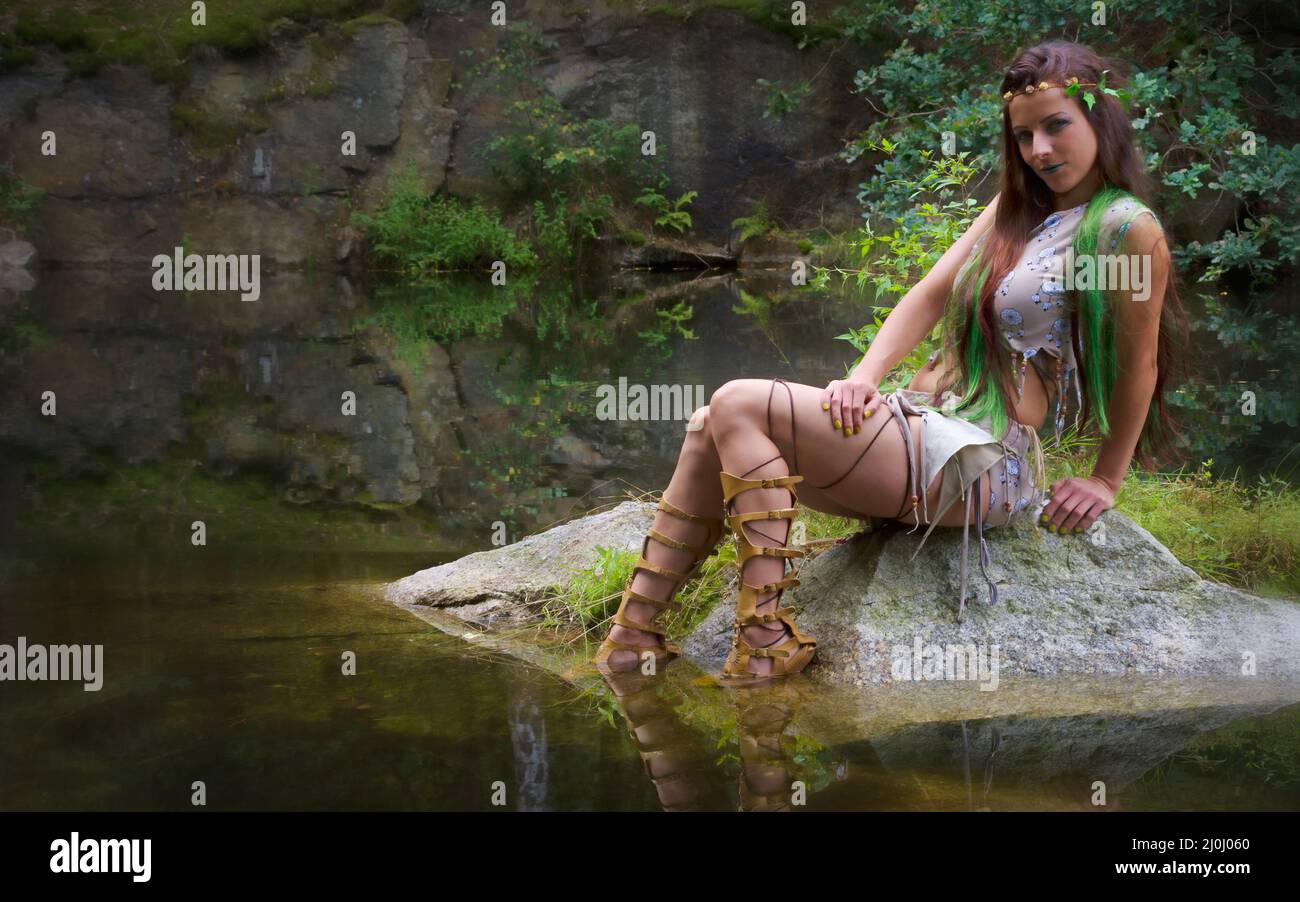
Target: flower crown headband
{"points": [[1072, 86]]}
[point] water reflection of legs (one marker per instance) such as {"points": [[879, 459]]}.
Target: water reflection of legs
{"points": [[688, 781], [665, 746], [766, 774], [765, 780]]}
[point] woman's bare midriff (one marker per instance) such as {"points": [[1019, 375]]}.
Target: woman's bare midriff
{"points": [[1031, 408]]}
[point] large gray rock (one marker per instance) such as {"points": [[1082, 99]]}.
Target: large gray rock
{"points": [[490, 587], [1068, 605]]}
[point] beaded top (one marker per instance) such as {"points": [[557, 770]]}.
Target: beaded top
{"points": [[1033, 307]]}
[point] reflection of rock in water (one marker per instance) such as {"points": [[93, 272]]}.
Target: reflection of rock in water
{"points": [[1045, 762], [995, 743], [528, 740]]}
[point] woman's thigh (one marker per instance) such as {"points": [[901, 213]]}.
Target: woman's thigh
{"points": [[877, 484]]}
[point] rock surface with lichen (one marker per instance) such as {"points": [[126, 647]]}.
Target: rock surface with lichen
{"points": [[1068, 605]]}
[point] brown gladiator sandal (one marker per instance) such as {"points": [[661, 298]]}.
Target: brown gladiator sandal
{"points": [[793, 653], [666, 650]]}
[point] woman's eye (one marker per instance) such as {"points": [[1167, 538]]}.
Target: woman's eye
{"points": [[1022, 136], [1058, 124]]}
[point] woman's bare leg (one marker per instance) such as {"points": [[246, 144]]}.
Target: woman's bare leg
{"points": [[755, 439], [696, 489], [733, 433], [873, 486]]}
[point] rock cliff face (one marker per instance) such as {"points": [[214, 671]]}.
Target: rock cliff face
{"points": [[245, 158], [255, 151], [1067, 605]]}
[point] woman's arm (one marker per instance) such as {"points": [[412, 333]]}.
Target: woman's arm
{"points": [[915, 315], [1077, 502]]}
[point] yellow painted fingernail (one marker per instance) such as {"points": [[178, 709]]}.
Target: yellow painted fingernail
{"points": [[867, 414], [1078, 529], [839, 425], [848, 430], [825, 406], [857, 429], [1051, 528]]}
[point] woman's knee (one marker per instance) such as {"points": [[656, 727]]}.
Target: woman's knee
{"points": [[700, 421], [731, 402]]}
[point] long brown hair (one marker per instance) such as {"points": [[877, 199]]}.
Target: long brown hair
{"points": [[1024, 202]]}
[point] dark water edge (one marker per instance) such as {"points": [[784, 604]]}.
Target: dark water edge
{"points": [[226, 668]]}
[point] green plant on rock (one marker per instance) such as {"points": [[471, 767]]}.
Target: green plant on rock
{"points": [[160, 35], [592, 595], [757, 224], [416, 234], [780, 102], [544, 149], [508, 66], [551, 231], [210, 128], [669, 213], [22, 331], [559, 234]]}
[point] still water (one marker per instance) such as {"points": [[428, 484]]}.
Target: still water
{"points": [[229, 670], [224, 663]]}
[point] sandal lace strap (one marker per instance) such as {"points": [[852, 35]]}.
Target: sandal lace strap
{"points": [[675, 511], [696, 550]]}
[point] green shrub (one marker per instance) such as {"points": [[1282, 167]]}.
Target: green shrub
{"points": [[214, 127], [414, 233], [756, 224], [668, 212]]}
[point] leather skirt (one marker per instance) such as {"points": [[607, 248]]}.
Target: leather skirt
{"points": [[964, 455]]}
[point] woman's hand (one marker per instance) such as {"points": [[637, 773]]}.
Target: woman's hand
{"points": [[848, 402], [1076, 503]]}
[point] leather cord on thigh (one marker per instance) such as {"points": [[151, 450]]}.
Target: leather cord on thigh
{"points": [[794, 448], [859, 460]]}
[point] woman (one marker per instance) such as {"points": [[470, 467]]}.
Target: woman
{"points": [[1072, 192]]}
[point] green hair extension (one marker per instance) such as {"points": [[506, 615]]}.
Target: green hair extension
{"points": [[974, 404], [1096, 322], [1099, 362], [989, 402]]}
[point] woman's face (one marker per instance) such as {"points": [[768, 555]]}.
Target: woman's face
{"points": [[1058, 143]]}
